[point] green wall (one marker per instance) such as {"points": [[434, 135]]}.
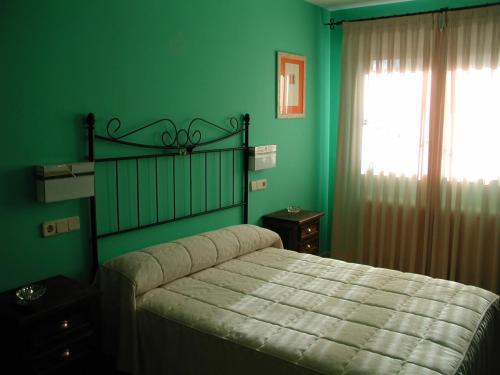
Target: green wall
{"points": [[336, 63], [142, 60], [146, 60]]}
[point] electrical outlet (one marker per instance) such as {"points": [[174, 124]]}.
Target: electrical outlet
{"points": [[259, 184], [49, 228]]}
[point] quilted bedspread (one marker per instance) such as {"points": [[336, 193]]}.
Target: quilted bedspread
{"points": [[232, 301], [314, 315]]}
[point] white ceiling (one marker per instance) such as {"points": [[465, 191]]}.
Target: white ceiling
{"points": [[345, 4]]}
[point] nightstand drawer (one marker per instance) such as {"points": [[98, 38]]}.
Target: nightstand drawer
{"points": [[58, 327], [311, 246], [309, 229], [61, 356]]}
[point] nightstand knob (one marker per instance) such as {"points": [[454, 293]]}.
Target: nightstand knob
{"points": [[308, 246], [64, 324], [309, 230], [65, 354]]}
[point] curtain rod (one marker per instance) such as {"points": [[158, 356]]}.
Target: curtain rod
{"points": [[334, 23]]}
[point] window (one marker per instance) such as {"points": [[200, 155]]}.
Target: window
{"points": [[395, 133], [471, 147], [395, 128]]}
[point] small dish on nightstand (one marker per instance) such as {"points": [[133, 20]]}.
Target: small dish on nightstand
{"points": [[30, 294], [293, 209]]}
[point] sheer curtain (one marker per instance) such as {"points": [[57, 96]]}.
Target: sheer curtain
{"points": [[418, 165]]}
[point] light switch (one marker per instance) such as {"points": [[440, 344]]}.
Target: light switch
{"points": [[259, 184], [62, 226], [73, 223]]}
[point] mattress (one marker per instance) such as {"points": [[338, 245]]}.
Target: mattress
{"points": [[277, 311]]}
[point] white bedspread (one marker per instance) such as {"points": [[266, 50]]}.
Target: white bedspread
{"points": [[277, 311]]}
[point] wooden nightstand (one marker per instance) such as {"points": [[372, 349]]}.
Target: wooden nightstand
{"points": [[298, 231], [55, 335]]}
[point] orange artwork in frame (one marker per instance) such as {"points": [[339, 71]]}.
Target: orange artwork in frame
{"points": [[291, 82]]}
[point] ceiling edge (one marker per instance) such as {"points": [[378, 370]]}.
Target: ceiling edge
{"points": [[364, 4]]}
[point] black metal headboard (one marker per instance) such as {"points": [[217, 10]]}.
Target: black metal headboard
{"points": [[173, 144]]}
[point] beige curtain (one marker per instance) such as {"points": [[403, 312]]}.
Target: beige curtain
{"points": [[418, 166]]}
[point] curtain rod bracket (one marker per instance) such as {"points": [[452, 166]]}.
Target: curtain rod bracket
{"points": [[331, 24]]}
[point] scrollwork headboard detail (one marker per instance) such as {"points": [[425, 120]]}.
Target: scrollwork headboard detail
{"points": [[178, 148], [172, 137]]}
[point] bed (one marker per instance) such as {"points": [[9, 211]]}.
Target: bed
{"points": [[233, 301]]}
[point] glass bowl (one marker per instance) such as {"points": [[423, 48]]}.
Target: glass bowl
{"points": [[30, 293], [293, 209]]}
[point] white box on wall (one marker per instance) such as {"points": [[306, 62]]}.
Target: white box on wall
{"points": [[61, 182], [262, 157]]}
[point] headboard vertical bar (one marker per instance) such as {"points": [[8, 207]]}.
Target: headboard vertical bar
{"points": [[173, 175], [156, 187], [190, 183], [90, 120], [246, 124], [220, 179], [117, 195], [233, 177], [137, 193], [206, 183]]}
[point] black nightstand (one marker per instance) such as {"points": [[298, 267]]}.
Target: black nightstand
{"points": [[299, 231], [55, 335]]}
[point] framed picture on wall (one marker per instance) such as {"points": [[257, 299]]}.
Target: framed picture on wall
{"points": [[291, 101]]}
